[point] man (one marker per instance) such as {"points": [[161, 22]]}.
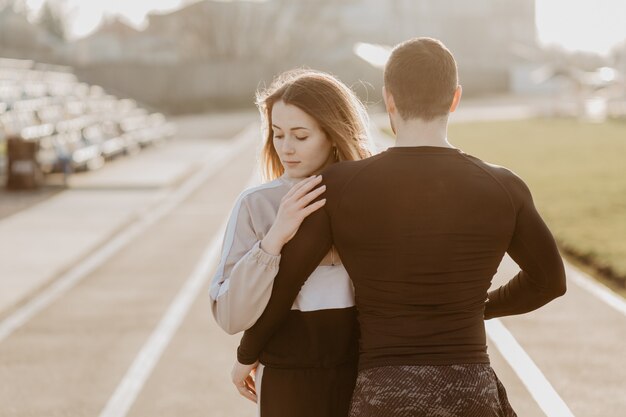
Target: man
{"points": [[421, 229]]}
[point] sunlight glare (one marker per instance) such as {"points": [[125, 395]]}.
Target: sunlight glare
{"points": [[375, 55]]}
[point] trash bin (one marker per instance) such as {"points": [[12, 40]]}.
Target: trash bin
{"points": [[23, 172]]}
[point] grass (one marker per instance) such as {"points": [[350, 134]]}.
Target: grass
{"points": [[577, 174]]}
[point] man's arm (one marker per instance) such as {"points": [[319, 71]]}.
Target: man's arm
{"points": [[532, 247], [299, 258]]}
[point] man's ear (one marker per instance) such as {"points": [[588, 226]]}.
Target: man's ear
{"points": [[390, 104], [457, 98]]}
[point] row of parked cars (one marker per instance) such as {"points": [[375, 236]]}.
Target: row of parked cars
{"points": [[76, 126]]}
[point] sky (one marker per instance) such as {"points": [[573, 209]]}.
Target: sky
{"points": [[587, 25], [86, 15]]}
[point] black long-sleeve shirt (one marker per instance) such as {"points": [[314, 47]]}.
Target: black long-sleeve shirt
{"points": [[421, 232]]}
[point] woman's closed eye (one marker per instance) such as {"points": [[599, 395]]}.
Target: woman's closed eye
{"points": [[296, 137]]}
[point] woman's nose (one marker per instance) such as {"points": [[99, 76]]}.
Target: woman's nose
{"points": [[288, 147]]}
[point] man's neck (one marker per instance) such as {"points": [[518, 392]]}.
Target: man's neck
{"points": [[417, 132]]}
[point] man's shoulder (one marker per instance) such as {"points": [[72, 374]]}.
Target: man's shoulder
{"points": [[336, 175], [500, 172], [347, 168], [506, 176]]}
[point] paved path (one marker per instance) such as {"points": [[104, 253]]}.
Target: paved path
{"points": [[73, 351], [105, 306]]}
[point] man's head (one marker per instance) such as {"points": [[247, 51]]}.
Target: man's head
{"points": [[421, 80]]}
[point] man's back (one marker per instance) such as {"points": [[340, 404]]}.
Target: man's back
{"points": [[421, 231]]}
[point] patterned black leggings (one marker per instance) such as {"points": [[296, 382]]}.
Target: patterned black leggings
{"points": [[471, 390]]}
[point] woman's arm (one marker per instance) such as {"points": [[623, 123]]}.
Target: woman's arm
{"points": [[243, 282]]}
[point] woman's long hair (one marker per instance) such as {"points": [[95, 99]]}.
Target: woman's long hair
{"points": [[334, 106]]}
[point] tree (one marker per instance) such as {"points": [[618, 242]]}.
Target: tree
{"points": [[52, 19]]}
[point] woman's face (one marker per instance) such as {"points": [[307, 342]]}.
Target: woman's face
{"points": [[302, 146]]}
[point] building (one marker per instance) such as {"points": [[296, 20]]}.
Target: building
{"points": [[213, 52]]}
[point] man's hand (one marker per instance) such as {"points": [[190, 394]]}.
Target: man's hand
{"points": [[243, 378]]}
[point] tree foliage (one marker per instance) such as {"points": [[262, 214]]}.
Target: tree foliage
{"points": [[52, 19]]}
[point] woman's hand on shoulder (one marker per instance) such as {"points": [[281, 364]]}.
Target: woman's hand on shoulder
{"points": [[295, 206]]}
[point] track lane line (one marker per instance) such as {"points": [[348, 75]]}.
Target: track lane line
{"points": [[528, 372], [148, 357], [597, 289], [144, 363]]}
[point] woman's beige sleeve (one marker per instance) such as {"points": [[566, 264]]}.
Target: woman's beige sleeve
{"points": [[243, 282]]}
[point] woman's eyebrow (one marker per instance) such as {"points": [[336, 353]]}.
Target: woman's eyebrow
{"points": [[293, 128]]}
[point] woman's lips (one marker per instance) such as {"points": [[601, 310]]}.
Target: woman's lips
{"points": [[291, 163]]}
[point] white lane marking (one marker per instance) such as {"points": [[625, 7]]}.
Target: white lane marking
{"points": [[131, 385], [531, 376], [68, 280], [597, 289]]}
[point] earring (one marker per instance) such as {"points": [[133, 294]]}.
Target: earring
{"points": [[336, 153]]}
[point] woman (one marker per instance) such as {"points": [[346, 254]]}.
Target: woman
{"points": [[309, 368]]}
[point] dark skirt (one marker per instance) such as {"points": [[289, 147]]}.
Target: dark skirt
{"points": [[307, 392], [471, 390]]}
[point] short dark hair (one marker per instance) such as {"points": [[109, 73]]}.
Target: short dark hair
{"points": [[421, 75]]}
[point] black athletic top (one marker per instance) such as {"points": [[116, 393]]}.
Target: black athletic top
{"points": [[421, 232]]}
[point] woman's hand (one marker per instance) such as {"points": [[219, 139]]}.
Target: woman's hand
{"points": [[243, 378], [294, 208]]}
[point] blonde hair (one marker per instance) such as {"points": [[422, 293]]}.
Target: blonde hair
{"points": [[334, 106]]}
